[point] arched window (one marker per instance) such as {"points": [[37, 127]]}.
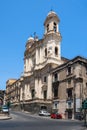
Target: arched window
{"points": [[47, 27], [55, 27], [45, 51], [56, 51]]}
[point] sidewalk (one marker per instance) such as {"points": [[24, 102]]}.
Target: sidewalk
{"points": [[5, 117]]}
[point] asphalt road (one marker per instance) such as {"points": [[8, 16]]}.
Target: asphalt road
{"points": [[25, 121]]}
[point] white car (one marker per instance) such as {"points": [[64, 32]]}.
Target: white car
{"points": [[44, 113], [5, 109]]}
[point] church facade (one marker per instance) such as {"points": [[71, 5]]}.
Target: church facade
{"points": [[39, 58]]}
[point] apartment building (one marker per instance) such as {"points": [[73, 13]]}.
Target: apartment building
{"points": [[13, 93], [69, 87], [2, 97]]}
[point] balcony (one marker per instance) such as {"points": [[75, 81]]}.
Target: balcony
{"points": [[55, 98], [79, 78], [55, 84], [69, 98]]}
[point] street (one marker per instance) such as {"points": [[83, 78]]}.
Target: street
{"points": [[25, 121]]}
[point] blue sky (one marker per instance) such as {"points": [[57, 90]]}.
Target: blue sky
{"points": [[19, 19]]}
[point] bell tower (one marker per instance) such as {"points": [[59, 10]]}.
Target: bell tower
{"points": [[52, 37]]}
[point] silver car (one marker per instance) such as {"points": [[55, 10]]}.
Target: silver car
{"points": [[44, 113]]}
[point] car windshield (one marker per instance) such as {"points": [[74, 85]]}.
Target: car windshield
{"points": [[42, 110], [4, 107]]}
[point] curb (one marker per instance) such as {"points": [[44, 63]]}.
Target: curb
{"points": [[5, 118]]}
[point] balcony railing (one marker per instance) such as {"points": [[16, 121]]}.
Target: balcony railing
{"points": [[70, 98]]}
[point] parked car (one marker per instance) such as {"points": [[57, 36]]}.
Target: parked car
{"points": [[56, 115], [44, 113], [5, 109]]}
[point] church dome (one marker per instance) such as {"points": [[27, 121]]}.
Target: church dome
{"points": [[51, 15], [30, 39], [29, 42]]}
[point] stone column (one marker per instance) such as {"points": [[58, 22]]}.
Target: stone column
{"points": [[40, 87], [36, 88], [49, 92], [37, 56], [40, 55], [26, 65]]}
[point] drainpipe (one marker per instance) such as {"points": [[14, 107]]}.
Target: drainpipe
{"points": [[74, 99]]}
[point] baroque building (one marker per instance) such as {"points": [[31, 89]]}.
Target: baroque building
{"points": [[39, 58], [49, 81]]}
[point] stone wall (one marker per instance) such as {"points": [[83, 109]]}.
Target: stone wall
{"points": [[31, 107]]}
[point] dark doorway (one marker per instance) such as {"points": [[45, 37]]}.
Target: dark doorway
{"points": [[43, 108], [69, 114]]}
